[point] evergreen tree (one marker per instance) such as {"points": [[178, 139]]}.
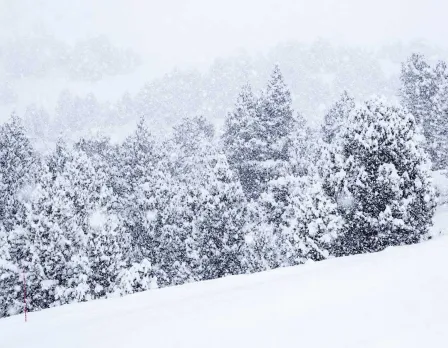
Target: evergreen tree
{"points": [[17, 162], [11, 301], [424, 94], [55, 231], [258, 132], [138, 277], [136, 177], [418, 86], [337, 117], [276, 123], [379, 177], [240, 139], [17, 168], [311, 221], [279, 203], [219, 223], [36, 120], [437, 124], [192, 138], [304, 147]]}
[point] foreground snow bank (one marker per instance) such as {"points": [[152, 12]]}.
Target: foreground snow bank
{"points": [[396, 298]]}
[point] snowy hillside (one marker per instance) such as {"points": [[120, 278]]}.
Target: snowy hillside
{"points": [[230, 173], [396, 298]]}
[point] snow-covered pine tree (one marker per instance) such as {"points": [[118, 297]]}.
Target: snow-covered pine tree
{"points": [[17, 168], [192, 138], [17, 164], [137, 158], [107, 245], [220, 221], [37, 123], [11, 301], [53, 234], [143, 180], [437, 123], [138, 277], [418, 86], [240, 139], [304, 147], [276, 125], [55, 230], [311, 222], [187, 155], [306, 224], [291, 205], [337, 117], [257, 134], [423, 93], [379, 176], [178, 256], [191, 133]]}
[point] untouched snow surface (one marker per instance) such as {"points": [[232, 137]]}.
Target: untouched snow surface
{"points": [[396, 298]]}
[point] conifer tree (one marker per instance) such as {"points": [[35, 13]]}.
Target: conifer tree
{"points": [[219, 223], [337, 117], [418, 86], [379, 177], [257, 135], [240, 139], [11, 301], [137, 161], [17, 162], [437, 123], [424, 94]]}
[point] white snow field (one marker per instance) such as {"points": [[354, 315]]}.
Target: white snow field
{"points": [[396, 298]]}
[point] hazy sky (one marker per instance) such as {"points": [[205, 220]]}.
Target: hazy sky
{"points": [[180, 32]]}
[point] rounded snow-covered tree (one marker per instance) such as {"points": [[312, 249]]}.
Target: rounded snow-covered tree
{"points": [[378, 174], [312, 222]]}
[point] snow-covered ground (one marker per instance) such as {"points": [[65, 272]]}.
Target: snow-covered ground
{"points": [[396, 298]]}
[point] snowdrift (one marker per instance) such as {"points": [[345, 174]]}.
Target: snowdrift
{"points": [[396, 298]]}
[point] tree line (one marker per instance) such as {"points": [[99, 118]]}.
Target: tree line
{"points": [[95, 219]]}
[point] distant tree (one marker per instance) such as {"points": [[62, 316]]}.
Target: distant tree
{"points": [[418, 86], [424, 94], [337, 117], [437, 124]]}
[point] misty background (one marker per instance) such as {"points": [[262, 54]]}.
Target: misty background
{"points": [[81, 68]]}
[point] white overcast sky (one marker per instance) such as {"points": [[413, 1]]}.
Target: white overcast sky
{"points": [[177, 32]]}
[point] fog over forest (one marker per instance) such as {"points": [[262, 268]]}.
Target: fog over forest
{"points": [[189, 58]]}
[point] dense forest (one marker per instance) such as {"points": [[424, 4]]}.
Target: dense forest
{"points": [[96, 219]]}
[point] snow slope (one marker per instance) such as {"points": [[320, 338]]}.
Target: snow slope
{"points": [[397, 298]]}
